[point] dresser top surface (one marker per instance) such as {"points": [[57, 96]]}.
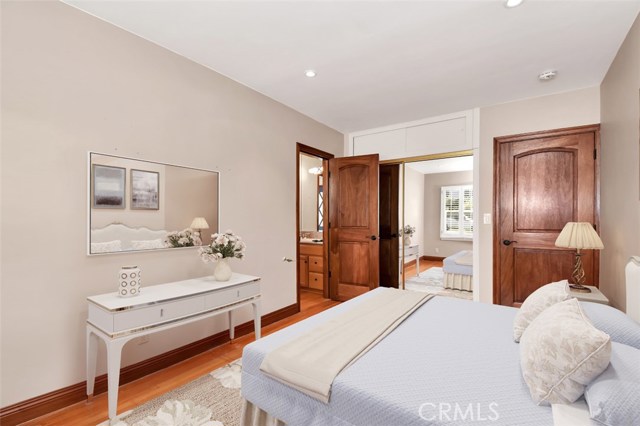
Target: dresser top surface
{"points": [[169, 291]]}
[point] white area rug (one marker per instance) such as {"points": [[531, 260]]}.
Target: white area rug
{"points": [[431, 281], [211, 400]]}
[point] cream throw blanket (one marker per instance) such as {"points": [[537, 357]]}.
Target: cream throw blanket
{"points": [[311, 362]]}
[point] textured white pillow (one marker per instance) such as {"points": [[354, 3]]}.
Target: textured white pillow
{"points": [[147, 244], [561, 352], [106, 247], [537, 302]]}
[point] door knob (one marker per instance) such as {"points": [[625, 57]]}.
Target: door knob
{"points": [[373, 238], [508, 242]]}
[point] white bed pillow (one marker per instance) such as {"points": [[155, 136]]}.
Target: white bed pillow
{"points": [[147, 244], [538, 301], [614, 396], [561, 352], [106, 247], [615, 323]]}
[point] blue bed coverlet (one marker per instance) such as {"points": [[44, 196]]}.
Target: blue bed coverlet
{"points": [[452, 362]]}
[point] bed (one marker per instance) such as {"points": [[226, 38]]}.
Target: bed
{"points": [[480, 368], [458, 271]]}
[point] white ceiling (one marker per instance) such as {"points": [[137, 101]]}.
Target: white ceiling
{"points": [[445, 165], [386, 62]]}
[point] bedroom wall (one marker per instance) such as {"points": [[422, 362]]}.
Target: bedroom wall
{"points": [[414, 205], [432, 184], [620, 164], [72, 83], [576, 108]]}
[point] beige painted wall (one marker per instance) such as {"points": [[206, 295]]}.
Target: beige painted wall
{"points": [[72, 83], [432, 208], [620, 164], [568, 109], [414, 205]]}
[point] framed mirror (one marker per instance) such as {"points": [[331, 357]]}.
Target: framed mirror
{"points": [[137, 205]]}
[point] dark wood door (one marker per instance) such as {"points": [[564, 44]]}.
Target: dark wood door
{"points": [[353, 225], [542, 181], [389, 225]]}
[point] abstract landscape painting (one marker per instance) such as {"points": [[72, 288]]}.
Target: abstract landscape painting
{"points": [[108, 187], [144, 190]]}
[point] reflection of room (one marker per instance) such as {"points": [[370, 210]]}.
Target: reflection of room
{"points": [[181, 194], [311, 259], [438, 204]]}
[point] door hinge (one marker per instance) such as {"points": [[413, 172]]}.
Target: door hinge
{"points": [[595, 154], [329, 274], [329, 224], [329, 174]]}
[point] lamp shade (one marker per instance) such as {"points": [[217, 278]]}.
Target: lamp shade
{"points": [[579, 235], [199, 223]]}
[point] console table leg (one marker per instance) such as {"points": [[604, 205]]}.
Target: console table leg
{"points": [[256, 317], [92, 356], [114, 356], [232, 330]]}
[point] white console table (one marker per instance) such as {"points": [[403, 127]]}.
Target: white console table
{"points": [[411, 250], [117, 320]]}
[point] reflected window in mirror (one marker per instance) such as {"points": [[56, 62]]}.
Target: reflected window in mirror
{"points": [[320, 204], [143, 205]]}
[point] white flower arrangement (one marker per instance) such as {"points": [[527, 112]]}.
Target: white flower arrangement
{"points": [[185, 238], [408, 230], [223, 246]]}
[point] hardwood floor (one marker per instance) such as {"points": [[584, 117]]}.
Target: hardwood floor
{"points": [[140, 391]]}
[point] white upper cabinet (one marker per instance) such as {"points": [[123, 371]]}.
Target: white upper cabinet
{"points": [[438, 137], [388, 144]]}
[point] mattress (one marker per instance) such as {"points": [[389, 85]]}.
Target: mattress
{"points": [[449, 264], [418, 375]]}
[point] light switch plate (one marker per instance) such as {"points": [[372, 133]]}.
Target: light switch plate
{"points": [[486, 219]]}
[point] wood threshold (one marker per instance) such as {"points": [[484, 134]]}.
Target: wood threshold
{"points": [[44, 404]]}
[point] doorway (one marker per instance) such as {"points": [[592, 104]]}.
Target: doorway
{"points": [[312, 275], [430, 219]]}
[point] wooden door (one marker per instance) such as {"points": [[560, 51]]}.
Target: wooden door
{"points": [[542, 181], [389, 225], [353, 225]]}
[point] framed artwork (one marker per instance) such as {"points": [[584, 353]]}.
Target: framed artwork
{"points": [[145, 187], [108, 187]]}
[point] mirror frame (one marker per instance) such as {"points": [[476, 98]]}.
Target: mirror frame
{"points": [[89, 203]]}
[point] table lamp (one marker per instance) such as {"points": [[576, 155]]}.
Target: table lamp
{"points": [[579, 235], [199, 223]]}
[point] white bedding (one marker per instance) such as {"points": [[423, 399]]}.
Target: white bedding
{"points": [[417, 369]]}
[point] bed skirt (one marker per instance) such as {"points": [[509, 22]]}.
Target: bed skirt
{"points": [[252, 415], [458, 281]]}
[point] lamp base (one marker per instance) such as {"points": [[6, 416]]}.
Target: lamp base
{"points": [[579, 288]]}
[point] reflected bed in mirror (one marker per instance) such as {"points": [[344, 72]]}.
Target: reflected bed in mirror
{"points": [[139, 205]]}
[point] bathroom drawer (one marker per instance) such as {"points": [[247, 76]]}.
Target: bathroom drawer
{"points": [[316, 280], [160, 313], [316, 264]]}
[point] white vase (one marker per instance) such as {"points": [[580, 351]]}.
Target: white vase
{"points": [[407, 240], [223, 271], [129, 281]]}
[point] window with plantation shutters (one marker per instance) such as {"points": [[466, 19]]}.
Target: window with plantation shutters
{"points": [[456, 219]]}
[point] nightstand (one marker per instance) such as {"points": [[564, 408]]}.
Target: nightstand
{"points": [[595, 296]]}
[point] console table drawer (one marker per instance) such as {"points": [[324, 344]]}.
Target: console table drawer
{"points": [[154, 315], [232, 295]]}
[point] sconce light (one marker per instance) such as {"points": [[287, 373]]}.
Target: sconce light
{"points": [[316, 170]]}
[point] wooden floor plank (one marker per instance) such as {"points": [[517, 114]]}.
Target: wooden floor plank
{"points": [[138, 392]]}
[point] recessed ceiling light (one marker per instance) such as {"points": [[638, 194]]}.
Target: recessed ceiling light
{"points": [[547, 75], [310, 73], [512, 3]]}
